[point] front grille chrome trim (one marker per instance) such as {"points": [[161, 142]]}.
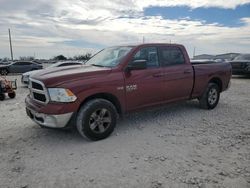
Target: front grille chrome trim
{"points": [[44, 91]]}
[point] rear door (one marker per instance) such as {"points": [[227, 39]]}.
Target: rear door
{"points": [[144, 87], [178, 74]]}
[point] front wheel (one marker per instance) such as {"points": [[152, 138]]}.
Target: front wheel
{"points": [[4, 72], [210, 97], [96, 119], [12, 95]]}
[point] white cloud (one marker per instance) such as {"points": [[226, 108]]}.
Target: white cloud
{"points": [[191, 3]]}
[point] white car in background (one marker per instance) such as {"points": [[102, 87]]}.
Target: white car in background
{"points": [[26, 76]]}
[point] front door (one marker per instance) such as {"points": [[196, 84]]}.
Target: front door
{"points": [[144, 87]]}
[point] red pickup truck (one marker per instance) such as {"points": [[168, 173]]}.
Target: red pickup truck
{"points": [[118, 80]]}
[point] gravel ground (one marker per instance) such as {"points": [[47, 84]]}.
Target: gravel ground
{"points": [[178, 145]]}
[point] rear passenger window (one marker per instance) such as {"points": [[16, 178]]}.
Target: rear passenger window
{"points": [[171, 56], [18, 63], [23, 63], [149, 54]]}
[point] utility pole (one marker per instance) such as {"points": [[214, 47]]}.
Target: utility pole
{"points": [[143, 39], [11, 52]]}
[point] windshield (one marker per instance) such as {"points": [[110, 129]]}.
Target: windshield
{"points": [[109, 57], [243, 57]]}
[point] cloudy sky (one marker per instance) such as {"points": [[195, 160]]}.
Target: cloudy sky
{"points": [[46, 28]]}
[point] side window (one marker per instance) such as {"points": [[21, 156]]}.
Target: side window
{"points": [[27, 63], [149, 54], [171, 56], [22, 63], [18, 63]]}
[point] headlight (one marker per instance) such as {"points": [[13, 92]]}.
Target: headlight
{"points": [[61, 95], [25, 77]]}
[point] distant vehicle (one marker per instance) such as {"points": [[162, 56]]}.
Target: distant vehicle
{"points": [[25, 76], [19, 67], [241, 64]]}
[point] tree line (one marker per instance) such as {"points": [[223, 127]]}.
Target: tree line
{"points": [[83, 57]]}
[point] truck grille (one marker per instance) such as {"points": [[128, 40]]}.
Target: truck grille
{"points": [[37, 86], [39, 97], [38, 91]]}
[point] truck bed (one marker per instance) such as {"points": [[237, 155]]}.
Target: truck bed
{"points": [[203, 73]]}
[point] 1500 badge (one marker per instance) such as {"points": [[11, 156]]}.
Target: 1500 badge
{"points": [[131, 88]]}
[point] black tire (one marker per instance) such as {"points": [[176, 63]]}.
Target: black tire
{"points": [[210, 97], [96, 119], [12, 95], [4, 71], [2, 97]]}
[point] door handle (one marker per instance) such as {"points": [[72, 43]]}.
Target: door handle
{"points": [[187, 71], [158, 75]]}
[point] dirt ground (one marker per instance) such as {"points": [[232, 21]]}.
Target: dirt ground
{"points": [[178, 145]]}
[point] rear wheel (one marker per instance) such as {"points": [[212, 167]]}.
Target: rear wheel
{"points": [[4, 72], [210, 97], [2, 97], [96, 119], [12, 95]]}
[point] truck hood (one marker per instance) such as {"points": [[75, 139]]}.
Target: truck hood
{"points": [[55, 77]]}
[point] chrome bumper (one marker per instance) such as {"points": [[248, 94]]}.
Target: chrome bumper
{"points": [[48, 120]]}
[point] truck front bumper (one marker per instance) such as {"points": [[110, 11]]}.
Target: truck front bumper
{"points": [[48, 120], [50, 115]]}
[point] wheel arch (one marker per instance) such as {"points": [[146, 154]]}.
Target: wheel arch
{"points": [[217, 81], [107, 96]]}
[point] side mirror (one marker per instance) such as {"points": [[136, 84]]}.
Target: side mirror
{"points": [[139, 64]]}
